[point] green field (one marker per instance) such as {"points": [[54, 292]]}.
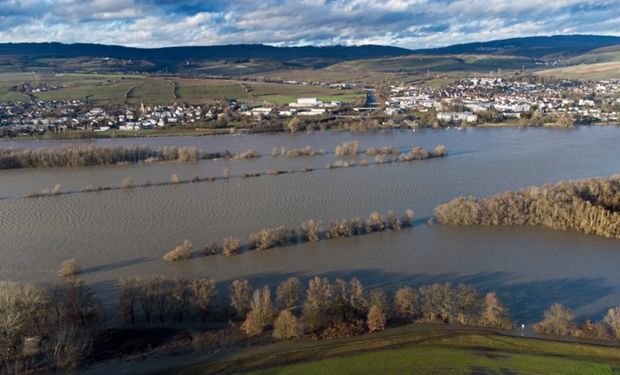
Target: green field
{"points": [[425, 350], [136, 89]]}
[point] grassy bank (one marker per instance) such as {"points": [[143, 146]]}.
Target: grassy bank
{"points": [[438, 350]]}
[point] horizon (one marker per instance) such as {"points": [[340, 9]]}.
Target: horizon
{"points": [[281, 23], [311, 45]]}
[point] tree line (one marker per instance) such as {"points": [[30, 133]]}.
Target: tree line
{"points": [[590, 206], [89, 155], [127, 183], [309, 231], [44, 328]]}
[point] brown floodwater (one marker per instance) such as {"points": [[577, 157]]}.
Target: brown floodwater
{"points": [[119, 233]]}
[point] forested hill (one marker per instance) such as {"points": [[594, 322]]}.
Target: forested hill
{"points": [[535, 46], [239, 51]]}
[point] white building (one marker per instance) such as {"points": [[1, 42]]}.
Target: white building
{"points": [[457, 116]]}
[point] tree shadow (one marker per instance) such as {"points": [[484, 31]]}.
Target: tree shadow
{"points": [[114, 265]]}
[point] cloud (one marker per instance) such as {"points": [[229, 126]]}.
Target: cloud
{"points": [[407, 23]]}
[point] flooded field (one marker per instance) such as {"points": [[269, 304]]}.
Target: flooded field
{"points": [[119, 233]]}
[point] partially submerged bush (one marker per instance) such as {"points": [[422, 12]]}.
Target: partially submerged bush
{"points": [[181, 252], [590, 206], [347, 148], [69, 268], [247, 154], [231, 246]]}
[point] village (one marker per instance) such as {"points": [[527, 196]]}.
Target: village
{"points": [[468, 101], [487, 100]]}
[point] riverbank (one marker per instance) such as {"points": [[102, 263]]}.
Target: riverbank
{"points": [[406, 348], [203, 132]]}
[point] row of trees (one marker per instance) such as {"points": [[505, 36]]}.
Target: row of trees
{"points": [[42, 327], [590, 206], [383, 156], [325, 309], [309, 231], [559, 320], [87, 155], [45, 328]]}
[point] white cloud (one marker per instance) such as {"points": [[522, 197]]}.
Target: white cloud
{"points": [[413, 23]]}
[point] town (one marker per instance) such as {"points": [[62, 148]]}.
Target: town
{"points": [[472, 101]]}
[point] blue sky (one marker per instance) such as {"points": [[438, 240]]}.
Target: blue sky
{"points": [[405, 23]]}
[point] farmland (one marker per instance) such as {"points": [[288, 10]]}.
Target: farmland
{"points": [[135, 89]]}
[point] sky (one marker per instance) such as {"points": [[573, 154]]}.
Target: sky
{"points": [[405, 23]]}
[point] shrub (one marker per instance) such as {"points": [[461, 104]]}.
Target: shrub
{"points": [[69, 268], [211, 249], [393, 222], [247, 154], [181, 252], [409, 216], [439, 151], [311, 230], [347, 148], [127, 183], [375, 222]]}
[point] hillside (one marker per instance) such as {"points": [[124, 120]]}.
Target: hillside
{"points": [[248, 59], [533, 47]]}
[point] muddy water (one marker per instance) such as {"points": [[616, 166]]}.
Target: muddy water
{"points": [[119, 233]]}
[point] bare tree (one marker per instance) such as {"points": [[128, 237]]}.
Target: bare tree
{"points": [[179, 298], [261, 312], [406, 304], [319, 296], [127, 299], [82, 305], [203, 291], [286, 326], [289, 293], [558, 320], [240, 292], [612, 321], [376, 319], [495, 314]]}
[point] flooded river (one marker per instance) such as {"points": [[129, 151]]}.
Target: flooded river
{"points": [[119, 233]]}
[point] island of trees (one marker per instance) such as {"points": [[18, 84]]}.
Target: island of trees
{"points": [[590, 206]]}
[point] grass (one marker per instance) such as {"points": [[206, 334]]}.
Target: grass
{"points": [[420, 349], [448, 361]]}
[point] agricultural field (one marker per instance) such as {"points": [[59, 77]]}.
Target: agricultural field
{"points": [[135, 89], [438, 64], [595, 72]]}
